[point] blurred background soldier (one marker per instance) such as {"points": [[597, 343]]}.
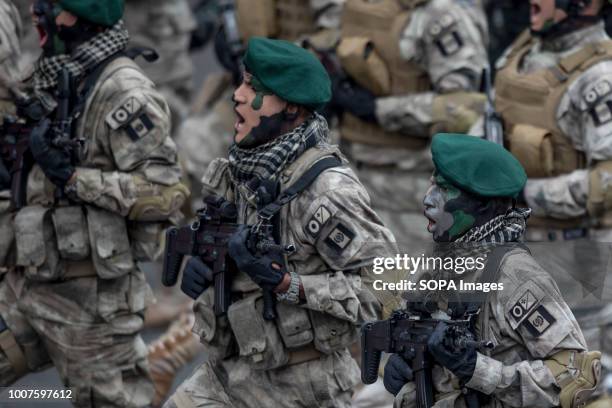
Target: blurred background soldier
{"points": [[413, 68], [507, 19], [166, 26], [554, 93], [102, 182], [10, 53]]}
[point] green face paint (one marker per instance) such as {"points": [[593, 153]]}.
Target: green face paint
{"points": [[260, 92]]}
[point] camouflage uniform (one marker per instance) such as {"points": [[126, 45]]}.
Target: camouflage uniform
{"points": [[71, 293], [166, 27], [302, 357], [10, 29], [207, 134], [430, 48], [530, 325], [553, 95]]}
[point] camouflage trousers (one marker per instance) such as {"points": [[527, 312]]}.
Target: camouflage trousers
{"points": [[323, 382], [84, 327]]}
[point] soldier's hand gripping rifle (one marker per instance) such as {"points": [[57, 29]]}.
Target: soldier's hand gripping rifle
{"points": [[407, 334], [493, 125], [208, 239], [15, 141]]}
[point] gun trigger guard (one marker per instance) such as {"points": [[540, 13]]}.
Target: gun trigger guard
{"points": [[195, 226]]}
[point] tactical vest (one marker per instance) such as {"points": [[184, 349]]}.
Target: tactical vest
{"points": [[528, 104], [283, 19], [377, 28]]}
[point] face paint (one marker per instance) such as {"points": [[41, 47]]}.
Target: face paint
{"points": [[452, 211], [260, 92], [269, 128]]}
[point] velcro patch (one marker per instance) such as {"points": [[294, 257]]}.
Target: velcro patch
{"points": [[539, 321], [318, 220], [449, 43], [523, 302], [339, 238], [596, 92], [601, 113], [139, 127], [124, 114]]}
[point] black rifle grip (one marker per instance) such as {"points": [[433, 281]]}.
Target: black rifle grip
{"points": [[370, 358], [269, 311], [423, 381], [172, 259]]}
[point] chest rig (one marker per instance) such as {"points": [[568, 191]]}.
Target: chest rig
{"points": [[369, 49], [528, 104], [283, 19]]}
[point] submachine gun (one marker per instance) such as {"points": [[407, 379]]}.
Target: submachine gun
{"points": [[208, 238], [406, 333], [493, 125]]}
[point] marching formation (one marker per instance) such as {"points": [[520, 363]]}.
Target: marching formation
{"points": [[335, 133]]}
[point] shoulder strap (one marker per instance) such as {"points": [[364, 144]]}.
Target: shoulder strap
{"points": [[593, 52], [305, 180], [89, 81]]}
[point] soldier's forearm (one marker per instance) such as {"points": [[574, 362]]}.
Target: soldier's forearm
{"points": [[410, 114], [562, 197]]}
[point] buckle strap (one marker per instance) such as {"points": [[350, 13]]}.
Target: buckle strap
{"points": [[11, 349]]}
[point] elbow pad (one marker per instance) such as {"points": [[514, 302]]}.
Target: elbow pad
{"points": [[577, 374], [157, 202]]}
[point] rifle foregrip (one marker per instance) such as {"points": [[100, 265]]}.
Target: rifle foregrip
{"points": [[172, 259], [370, 357]]}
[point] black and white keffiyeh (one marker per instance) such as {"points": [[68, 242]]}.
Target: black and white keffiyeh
{"points": [[85, 58], [267, 161]]}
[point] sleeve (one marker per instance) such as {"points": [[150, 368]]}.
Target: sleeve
{"points": [[133, 131], [585, 117], [536, 316], [327, 13], [449, 41], [342, 228]]}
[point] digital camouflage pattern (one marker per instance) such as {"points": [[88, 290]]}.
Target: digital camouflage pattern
{"points": [[336, 236], [397, 178]]}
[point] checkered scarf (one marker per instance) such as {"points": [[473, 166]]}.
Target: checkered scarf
{"points": [[83, 60], [269, 160]]}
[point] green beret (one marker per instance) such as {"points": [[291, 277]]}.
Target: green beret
{"points": [[478, 166], [290, 72], [102, 12]]}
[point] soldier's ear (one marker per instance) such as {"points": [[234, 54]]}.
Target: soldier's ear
{"points": [[291, 112]]}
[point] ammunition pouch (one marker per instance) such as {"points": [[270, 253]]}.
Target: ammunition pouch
{"points": [[294, 325], [543, 153], [599, 200], [147, 240], [577, 373], [258, 340], [360, 60], [36, 244], [332, 334], [256, 18], [213, 331], [157, 203], [71, 231]]}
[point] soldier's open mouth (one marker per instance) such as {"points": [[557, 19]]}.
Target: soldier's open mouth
{"points": [[535, 9], [239, 121], [42, 34]]}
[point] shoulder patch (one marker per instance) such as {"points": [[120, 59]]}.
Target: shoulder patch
{"points": [[523, 302], [131, 116], [445, 35], [539, 321], [318, 220], [339, 238], [597, 101]]}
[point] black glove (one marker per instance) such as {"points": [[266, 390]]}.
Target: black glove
{"points": [[197, 277], [55, 163], [397, 373], [460, 360], [5, 176], [266, 270], [353, 98]]}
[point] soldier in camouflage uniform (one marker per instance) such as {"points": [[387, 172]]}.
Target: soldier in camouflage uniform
{"points": [[71, 293], [538, 357], [554, 92], [207, 134], [165, 26], [300, 358], [414, 68]]}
